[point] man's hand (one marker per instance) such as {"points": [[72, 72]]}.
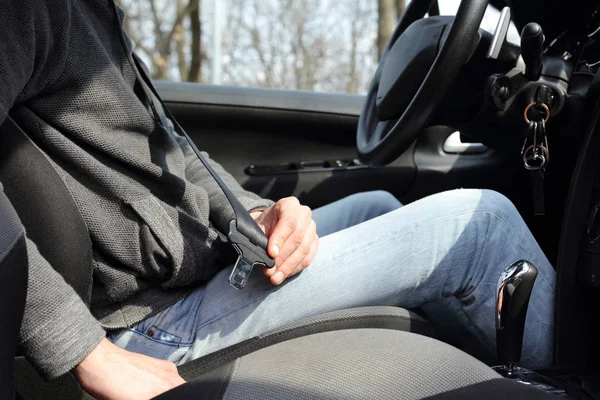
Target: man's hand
{"points": [[110, 372], [292, 234]]}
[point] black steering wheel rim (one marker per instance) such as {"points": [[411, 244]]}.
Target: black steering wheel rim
{"points": [[381, 142]]}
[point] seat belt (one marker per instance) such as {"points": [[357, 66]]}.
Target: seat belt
{"points": [[244, 234]]}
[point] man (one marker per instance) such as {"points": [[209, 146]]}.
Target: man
{"points": [[160, 271]]}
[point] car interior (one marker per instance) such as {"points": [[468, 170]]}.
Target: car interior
{"points": [[450, 106]]}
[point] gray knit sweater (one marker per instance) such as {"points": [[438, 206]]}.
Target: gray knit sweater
{"points": [[146, 199]]}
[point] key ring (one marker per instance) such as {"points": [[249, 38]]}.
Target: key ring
{"points": [[535, 156], [544, 106]]}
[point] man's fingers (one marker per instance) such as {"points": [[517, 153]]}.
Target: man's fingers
{"points": [[286, 224], [291, 239], [110, 372], [294, 263], [311, 254], [303, 217]]}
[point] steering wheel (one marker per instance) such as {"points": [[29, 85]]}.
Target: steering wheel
{"points": [[416, 71]]}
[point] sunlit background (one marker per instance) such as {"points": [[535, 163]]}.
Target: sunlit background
{"points": [[316, 45]]}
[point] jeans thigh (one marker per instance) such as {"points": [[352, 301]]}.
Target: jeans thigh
{"points": [[167, 335], [443, 246], [170, 333], [353, 210], [436, 248]]}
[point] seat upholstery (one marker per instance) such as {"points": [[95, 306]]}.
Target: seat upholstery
{"points": [[351, 364], [394, 318], [32, 386]]}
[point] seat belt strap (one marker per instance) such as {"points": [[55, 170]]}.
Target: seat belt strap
{"points": [[244, 234]]}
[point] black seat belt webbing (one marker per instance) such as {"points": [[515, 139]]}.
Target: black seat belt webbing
{"points": [[244, 234]]}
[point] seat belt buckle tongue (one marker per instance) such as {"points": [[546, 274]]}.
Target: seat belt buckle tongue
{"points": [[240, 274], [250, 255]]}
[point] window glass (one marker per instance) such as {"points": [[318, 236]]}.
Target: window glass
{"points": [[316, 45]]}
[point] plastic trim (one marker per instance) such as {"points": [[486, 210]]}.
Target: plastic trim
{"points": [[196, 93]]}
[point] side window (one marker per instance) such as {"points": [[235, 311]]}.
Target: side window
{"points": [[316, 45]]}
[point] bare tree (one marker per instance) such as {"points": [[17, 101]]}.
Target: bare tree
{"points": [[322, 45], [179, 39], [387, 14], [167, 45], [400, 7], [195, 73], [291, 44], [352, 85], [361, 15]]}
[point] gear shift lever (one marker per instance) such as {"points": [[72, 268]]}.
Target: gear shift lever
{"points": [[513, 292], [532, 45]]}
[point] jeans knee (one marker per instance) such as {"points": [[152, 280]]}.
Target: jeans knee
{"points": [[383, 200], [483, 200], [497, 203]]}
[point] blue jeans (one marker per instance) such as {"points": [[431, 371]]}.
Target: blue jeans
{"points": [[449, 246]]}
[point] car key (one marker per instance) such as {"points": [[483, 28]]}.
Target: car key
{"points": [[529, 135], [535, 162], [536, 158], [537, 177], [544, 139]]}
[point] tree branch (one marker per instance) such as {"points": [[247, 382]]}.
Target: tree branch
{"points": [[195, 72]]}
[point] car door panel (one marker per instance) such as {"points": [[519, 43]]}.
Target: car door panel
{"points": [[302, 148], [294, 140]]}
